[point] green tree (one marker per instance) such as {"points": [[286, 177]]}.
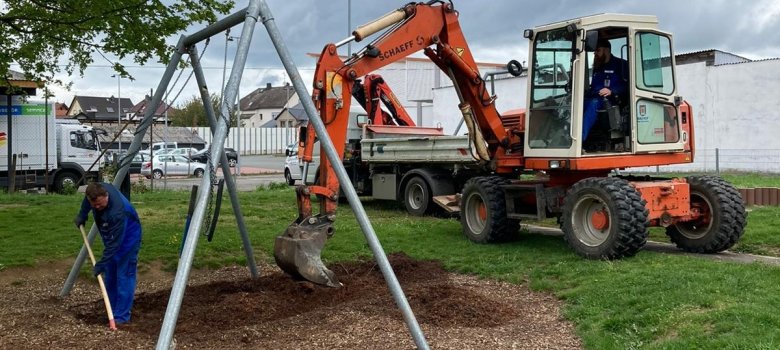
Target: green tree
{"points": [[192, 113], [40, 35]]}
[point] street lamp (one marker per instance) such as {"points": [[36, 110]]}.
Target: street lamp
{"points": [[229, 38], [119, 110]]}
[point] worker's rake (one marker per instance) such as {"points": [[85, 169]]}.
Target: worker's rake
{"points": [[111, 323]]}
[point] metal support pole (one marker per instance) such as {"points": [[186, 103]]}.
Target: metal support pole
{"points": [[231, 184], [341, 173], [717, 161], [217, 147], [11, 137], [119, 113], [238, 132], [124, 163]]}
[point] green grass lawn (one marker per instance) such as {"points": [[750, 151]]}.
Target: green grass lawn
{"points": [[650, 301]]}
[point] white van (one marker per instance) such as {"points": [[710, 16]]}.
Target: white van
{"points": [[158, 146], [293, 169]]}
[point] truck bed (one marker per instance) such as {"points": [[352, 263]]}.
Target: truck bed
{"points": [[417, 149]]}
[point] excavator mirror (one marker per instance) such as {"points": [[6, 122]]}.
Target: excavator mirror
{"points": [[361, 119], [514, 68], [591, 40]]}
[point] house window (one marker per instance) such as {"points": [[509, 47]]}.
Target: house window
{"points": [[110, 109]]}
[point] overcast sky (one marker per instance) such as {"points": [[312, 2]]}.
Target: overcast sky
{"points": [[493, 29]]}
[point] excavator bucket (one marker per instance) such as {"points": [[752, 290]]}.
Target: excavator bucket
{"points": [[297, 252]]}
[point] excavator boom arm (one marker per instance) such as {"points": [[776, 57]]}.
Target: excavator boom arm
{"points": [[413, 28]]}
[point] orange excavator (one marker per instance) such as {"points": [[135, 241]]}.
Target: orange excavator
{"points": [[603, 215], [375, 90]]}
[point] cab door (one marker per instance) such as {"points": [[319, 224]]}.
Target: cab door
{"points": [[551, 102], [655, 121]]}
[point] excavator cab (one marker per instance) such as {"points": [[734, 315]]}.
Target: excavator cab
{"points": [[567, 117]]}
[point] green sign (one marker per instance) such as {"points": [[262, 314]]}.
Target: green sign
{"points": [[25, 110]]}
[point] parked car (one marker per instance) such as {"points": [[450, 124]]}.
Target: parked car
{"points": [[201, 156], [293, 169], [160, 148], [187, 152], [137, 163], [165, 165]]}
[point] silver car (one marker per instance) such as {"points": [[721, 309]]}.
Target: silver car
{"points": [[165, 165]]}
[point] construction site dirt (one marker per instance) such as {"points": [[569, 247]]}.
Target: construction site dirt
{"points": [[225, 309]]}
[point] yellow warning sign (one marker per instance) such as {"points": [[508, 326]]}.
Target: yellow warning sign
{"points": [[459, 51]]}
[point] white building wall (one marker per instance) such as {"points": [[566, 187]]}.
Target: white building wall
{"points": [[735, 110], [511, 94]]}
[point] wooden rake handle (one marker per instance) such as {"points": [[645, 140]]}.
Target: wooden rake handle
{"points": [[111, 323]]}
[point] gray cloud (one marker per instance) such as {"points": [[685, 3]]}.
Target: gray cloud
{"points": [[492, 27]]}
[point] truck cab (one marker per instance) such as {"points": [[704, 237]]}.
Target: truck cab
{"points": [[648, 118]]}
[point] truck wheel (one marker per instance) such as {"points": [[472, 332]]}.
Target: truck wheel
{"points": [[198, 173], [604, 218], [483, 211], [721, 221], [157, 174], [417, 196], [64, 179]]}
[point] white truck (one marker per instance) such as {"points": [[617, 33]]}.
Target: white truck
{"points": [[49, 153], [418, 167]]}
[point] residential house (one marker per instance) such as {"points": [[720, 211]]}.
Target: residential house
{"points": [[138, 111], [292, 117], [261, 107], [99, 109], [60, 110]]}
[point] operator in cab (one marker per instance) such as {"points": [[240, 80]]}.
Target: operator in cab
{"points": [[607, 83]]}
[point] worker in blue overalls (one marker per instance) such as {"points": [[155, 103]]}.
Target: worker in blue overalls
{"points": [[120, 229], [607, 83]]}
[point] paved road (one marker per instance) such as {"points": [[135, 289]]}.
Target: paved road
{"points": [[244, 182], [256, 170]]}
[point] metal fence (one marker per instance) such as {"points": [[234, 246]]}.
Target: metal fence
{"points": [[249, 141], [719, 159]]}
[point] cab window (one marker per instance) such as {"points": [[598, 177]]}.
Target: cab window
{"points": [[551, 98], [653, 65]]}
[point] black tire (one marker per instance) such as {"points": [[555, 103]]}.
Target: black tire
{"points": [[198, 172], [288, 177], [483, 211], [157, 174], [604, 218], [65, 178], [417, 196], [723, 218], [232, 162]]}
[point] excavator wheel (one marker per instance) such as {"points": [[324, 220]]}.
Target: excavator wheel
{"points": [[604, 218], [483, 211], [722, 220]]}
